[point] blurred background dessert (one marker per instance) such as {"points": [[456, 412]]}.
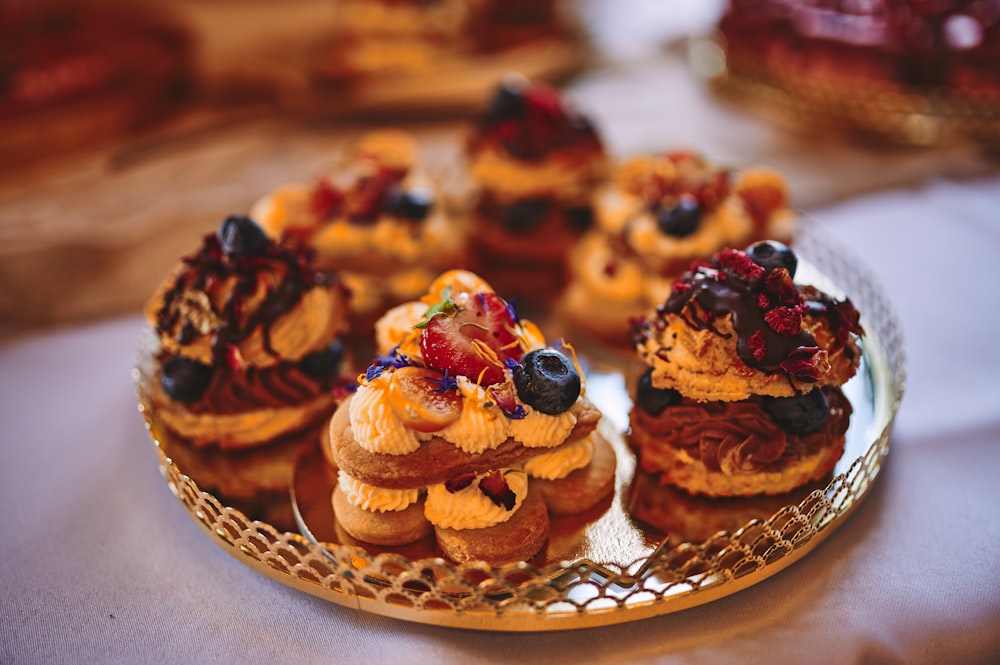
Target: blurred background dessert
{"points": [[131, 125]]}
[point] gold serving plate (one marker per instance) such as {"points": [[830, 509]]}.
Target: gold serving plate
{"points": [[647, 551]]}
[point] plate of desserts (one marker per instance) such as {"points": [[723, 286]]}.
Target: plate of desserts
{"points": [[585, 391]]}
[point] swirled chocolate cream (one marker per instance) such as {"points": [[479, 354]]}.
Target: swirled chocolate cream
{"points": [[469, 425], [249, 346], [377, 220], [741, 392], [657, 214], [535, 162]]}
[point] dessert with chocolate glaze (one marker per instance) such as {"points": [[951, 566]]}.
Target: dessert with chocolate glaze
{"points": [[378, 220], [249, 343], [535, 162], [658, 214], [740, 394], [453, 424]]}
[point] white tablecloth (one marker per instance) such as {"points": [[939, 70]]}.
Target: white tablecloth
{"points": [[101, 564]]}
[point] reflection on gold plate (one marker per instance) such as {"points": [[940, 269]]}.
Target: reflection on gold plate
{"points": [[647, 552]]}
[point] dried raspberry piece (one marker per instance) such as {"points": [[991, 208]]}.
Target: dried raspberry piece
{"points": [[234, 358], [459, 483], [785, 321], [326, 200], [804, 363], [780, 286], [758, 346], [698, 265], [738, 264], [763, 301], [850, 317], [499, 492]]}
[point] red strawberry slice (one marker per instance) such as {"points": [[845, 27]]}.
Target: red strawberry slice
{"points": [[473, 340]]}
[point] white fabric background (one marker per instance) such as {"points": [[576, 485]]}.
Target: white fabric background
{"points": [[101, 564]]}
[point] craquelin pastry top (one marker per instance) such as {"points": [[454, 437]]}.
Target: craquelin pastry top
{"points": [[732, 328]]}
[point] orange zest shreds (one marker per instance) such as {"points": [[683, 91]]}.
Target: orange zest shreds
{"points": [[576, 364]]}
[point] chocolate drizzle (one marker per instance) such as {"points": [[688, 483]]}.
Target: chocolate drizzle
{"points": [[766, 312], [210, 269]]}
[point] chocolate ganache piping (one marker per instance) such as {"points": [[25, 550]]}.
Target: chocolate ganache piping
{"points": [[766, 309]]}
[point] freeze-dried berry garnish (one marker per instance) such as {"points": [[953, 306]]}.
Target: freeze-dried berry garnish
{"points": [[326, 200], [495, 487], [763, 301], [758, 345], [740, 265], [459, 483], [234, 359], [804, 363], [785, 320], [780, 286]]}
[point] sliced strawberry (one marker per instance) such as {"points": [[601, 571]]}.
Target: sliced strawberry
{"points": [[473, 338], [423, 399]]}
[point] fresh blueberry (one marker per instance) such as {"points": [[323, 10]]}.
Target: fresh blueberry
{"points": [[654, 400], [325, 363], [799, 415], [508, 101], [547, 381], [770, 254], [580, 218], [681, 220], [524, 215], [414, 204], [185, 380], [241, 236]]}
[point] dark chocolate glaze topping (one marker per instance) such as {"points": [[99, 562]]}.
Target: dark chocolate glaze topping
{"points": [[718, 293], [767, 312]]}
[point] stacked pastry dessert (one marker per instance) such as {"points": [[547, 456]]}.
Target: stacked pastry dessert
{"points": [[660, 213], [378, 221], [535, 163], [741, 392], [470, 427], [248, 340], [885, 46], [397, 36]]}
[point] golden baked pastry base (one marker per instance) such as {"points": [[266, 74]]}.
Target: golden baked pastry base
{"points": [[598, 569]]}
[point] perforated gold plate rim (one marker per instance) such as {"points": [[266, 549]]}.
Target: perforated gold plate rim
{"points": [[581, 593]]}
